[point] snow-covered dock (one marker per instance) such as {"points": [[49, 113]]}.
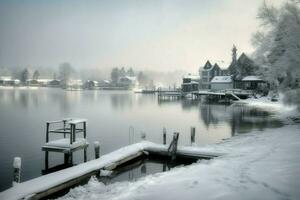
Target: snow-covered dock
{"points": [[70, 143], [51, 183], [235, 94]]}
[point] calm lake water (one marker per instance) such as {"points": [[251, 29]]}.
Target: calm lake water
{"points": [[23, 113]]}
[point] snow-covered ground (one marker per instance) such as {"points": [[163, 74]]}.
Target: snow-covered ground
{"points": [[258, 165], [261, 165]]}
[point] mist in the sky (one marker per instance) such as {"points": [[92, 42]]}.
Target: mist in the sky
{"points": [[152, 35]]}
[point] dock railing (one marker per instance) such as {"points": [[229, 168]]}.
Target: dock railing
{"points": [[67, 127]]}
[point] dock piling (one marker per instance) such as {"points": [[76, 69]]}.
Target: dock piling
{"points": [[172, 150], [193, 132], [143, 135], [46, 160], [17, 170], [47, 132], [97, 149], [164, 135]]}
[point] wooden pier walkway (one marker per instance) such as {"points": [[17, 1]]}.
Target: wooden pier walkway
{"points": [[229, 94], [169, 95], [51, 183]]}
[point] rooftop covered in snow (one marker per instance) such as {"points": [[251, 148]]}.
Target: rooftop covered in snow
{"points": [[192, 77], [222, 79], [252, 78]]}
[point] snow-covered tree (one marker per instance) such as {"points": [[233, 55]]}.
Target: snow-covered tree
{"points": [[278, 48], [65, 72], [36, 75], [130, 72], [24, 75]]}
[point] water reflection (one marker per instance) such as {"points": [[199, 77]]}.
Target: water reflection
{"points": [[121, 101], [241, 119], [109, 114]]}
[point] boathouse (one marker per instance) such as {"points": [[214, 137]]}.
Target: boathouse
{"points": [[221, 83], [190, 83]]}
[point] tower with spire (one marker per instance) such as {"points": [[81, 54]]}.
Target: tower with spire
{"points": [[234, 55]]}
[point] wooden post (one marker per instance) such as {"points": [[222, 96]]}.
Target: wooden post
{"points": [[47, 132], [164, 167], [46, 160], [175, 139], [74, 132], [84, 129], [64, 121], [97, 149], [164, 136], [143, 135], [70, 158], [193, 132], [66, 158], [84, 155], [17, 170], [84, 135]]}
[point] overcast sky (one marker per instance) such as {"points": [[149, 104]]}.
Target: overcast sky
{"points": [[146, 34]]}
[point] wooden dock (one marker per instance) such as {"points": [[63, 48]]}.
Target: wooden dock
{"points": [[70, 143], [235, 94], [169, 95], [46, 185]]}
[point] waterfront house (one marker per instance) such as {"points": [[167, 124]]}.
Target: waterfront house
{"points": [[127, 81], [208, 72], [256, 84], [190, 83], [241, 71], [54, 83], [8, 81], [39, 82], [74, 84], [105, 83], [221, 83], [91, 84]]}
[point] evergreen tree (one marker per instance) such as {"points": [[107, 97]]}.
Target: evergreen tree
{"points": [[36, 75], [122, 72], [24, 75], [130, 72], [65, 72], [115, 75]]}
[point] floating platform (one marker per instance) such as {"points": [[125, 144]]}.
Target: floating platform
{"points": [[46, 185]]}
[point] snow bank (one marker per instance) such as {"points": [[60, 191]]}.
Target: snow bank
{"points": [[282, 110], [260, 165]]}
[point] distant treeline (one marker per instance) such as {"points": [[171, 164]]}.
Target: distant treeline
{"points": [[65, 71]]}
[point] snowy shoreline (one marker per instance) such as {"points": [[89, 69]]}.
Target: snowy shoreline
{"points": [[257, 165]]}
